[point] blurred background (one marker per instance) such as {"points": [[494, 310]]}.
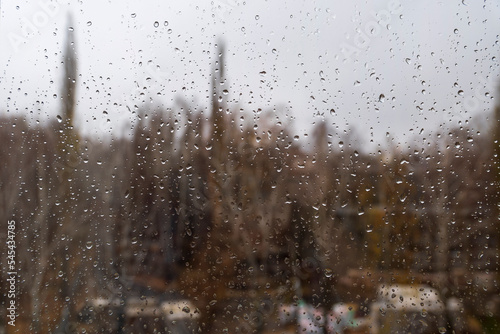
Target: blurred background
{"points": [[258, 167]]}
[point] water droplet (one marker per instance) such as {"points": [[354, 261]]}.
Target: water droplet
{"points": [[59, 118], [455, 31], [133, 15], [332, 111], [89, 23], [257, 17], [328, 272], [186, 309], [89, 245], [461, 92], [381, 98], [156, 24]]}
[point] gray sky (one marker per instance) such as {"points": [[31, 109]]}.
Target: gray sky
{"points": [[382, 66]]}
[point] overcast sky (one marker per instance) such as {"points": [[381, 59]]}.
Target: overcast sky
{"points": [[376, 66]]}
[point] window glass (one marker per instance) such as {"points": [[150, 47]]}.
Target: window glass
{"points": [[236, 166]]}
